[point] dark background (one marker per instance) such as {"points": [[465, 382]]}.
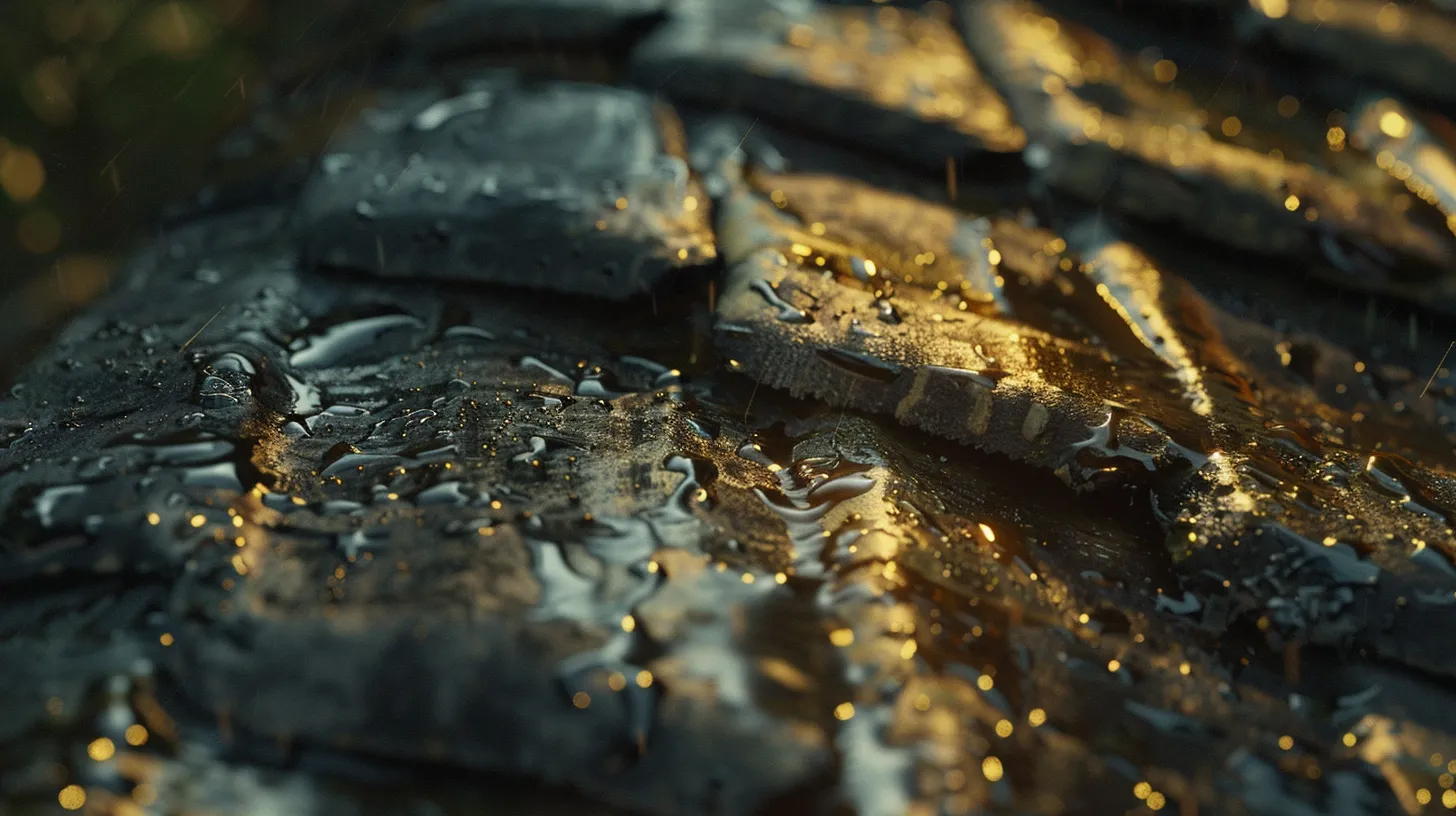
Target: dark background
{"points": [[112, 109]]}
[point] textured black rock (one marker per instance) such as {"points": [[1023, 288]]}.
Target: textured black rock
{"points": [[568, 187], [852, 488], [899, 82], [974, 358], [317, 433]]}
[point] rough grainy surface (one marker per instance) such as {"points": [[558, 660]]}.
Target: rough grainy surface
{"points": [[554, 449], [908, 89], [577, 186]]}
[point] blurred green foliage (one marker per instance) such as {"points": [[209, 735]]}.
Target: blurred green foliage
{"points": [[110, 109]]}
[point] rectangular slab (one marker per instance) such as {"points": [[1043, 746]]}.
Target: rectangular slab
{"points": [[558, 186]]}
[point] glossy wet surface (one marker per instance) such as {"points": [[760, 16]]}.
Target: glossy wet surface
{"points": [[1044, 443]]}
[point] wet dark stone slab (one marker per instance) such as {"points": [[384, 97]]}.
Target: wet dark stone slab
{"points": [[951, 494], [888, 79], [391, 475], [514, 560], [877, 302], [883, 303], [558, 186], [530, 543]]}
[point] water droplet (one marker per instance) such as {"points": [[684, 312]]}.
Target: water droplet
{"points": [[443, 111], [863, 365], [358, 340], [788, 312]]}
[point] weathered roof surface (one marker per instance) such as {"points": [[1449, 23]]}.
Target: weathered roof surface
{"points": [[561, 444]]}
